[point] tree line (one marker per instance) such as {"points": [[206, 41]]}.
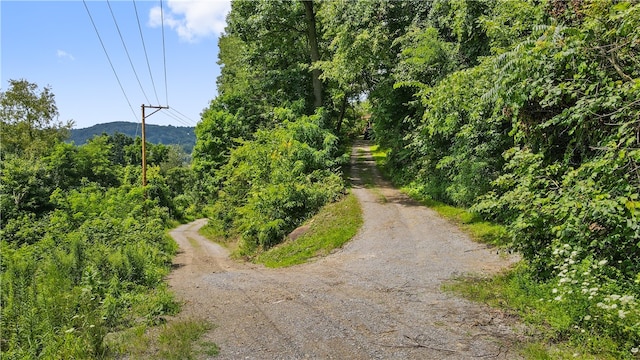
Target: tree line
{"points": [[155, 134]]}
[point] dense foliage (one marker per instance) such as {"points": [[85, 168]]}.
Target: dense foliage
{"points": [[271, 184], [83, 245], [268, 147]]}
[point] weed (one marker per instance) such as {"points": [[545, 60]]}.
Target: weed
{"points": [[209, 348], [177, 339]]}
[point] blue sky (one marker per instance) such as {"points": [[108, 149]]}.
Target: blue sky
{"points": [[53, 43]]}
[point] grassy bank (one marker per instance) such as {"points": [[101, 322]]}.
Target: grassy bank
{"points": [[334, 225]]}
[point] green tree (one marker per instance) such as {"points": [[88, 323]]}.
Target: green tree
{"points": [[216, 133], [274, 43], [25, 186], [275, 181], [118, 142], [359, 38], [29, 119]]}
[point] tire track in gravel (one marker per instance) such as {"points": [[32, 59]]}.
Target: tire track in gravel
{"points": [[378, 297]]}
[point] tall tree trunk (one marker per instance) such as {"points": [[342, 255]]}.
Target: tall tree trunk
{"points": [[343, 109], [315, 53]]}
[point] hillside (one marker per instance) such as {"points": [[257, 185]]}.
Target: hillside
{"points": [[156, 134]]}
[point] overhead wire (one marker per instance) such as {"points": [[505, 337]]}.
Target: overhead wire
{"points": [[183, 115], [173, 113], [127, 51], [109, 58], [173, 116], [145, 52]]}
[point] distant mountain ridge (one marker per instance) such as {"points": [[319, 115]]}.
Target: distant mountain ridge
{"points": [[156, 134]]}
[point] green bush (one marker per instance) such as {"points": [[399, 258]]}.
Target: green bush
{"points": [[273, 183]]}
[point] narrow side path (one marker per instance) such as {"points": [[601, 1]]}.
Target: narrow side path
{"points": [[377, 298]]}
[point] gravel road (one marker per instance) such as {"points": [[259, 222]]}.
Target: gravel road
{"points": [[379, 297]]}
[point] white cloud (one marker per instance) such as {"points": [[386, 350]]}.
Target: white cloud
{"points": [[192, 19], [64, 55]]}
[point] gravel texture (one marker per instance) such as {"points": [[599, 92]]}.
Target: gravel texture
{"points": [[379, 297]]}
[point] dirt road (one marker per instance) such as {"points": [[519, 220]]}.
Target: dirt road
{"points": [[377, 298]]}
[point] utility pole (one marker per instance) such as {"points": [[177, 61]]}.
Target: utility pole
{"points": [[144, 139]]}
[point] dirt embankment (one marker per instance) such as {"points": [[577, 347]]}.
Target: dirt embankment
{"points": [[377, 298]]}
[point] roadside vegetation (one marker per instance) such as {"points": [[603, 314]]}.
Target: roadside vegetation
{"points": [[527, 115], [180, 339], [517, 291], [83, 245]]}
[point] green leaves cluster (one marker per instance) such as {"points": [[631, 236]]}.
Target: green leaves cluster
{"points": [[271, 184], [29, 119]]}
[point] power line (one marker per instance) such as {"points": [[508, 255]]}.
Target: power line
{"points": [[171, 115], [183, 115], [109, 59], [145, 52], [127, 51], [164, 56]]}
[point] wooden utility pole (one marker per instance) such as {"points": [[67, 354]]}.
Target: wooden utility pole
{"points": [[144, 139]]}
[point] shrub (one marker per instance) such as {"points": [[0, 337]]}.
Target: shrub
{"points": [[274, 182]]}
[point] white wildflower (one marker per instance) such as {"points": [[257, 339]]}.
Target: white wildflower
{"points": [[626, 299]]}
